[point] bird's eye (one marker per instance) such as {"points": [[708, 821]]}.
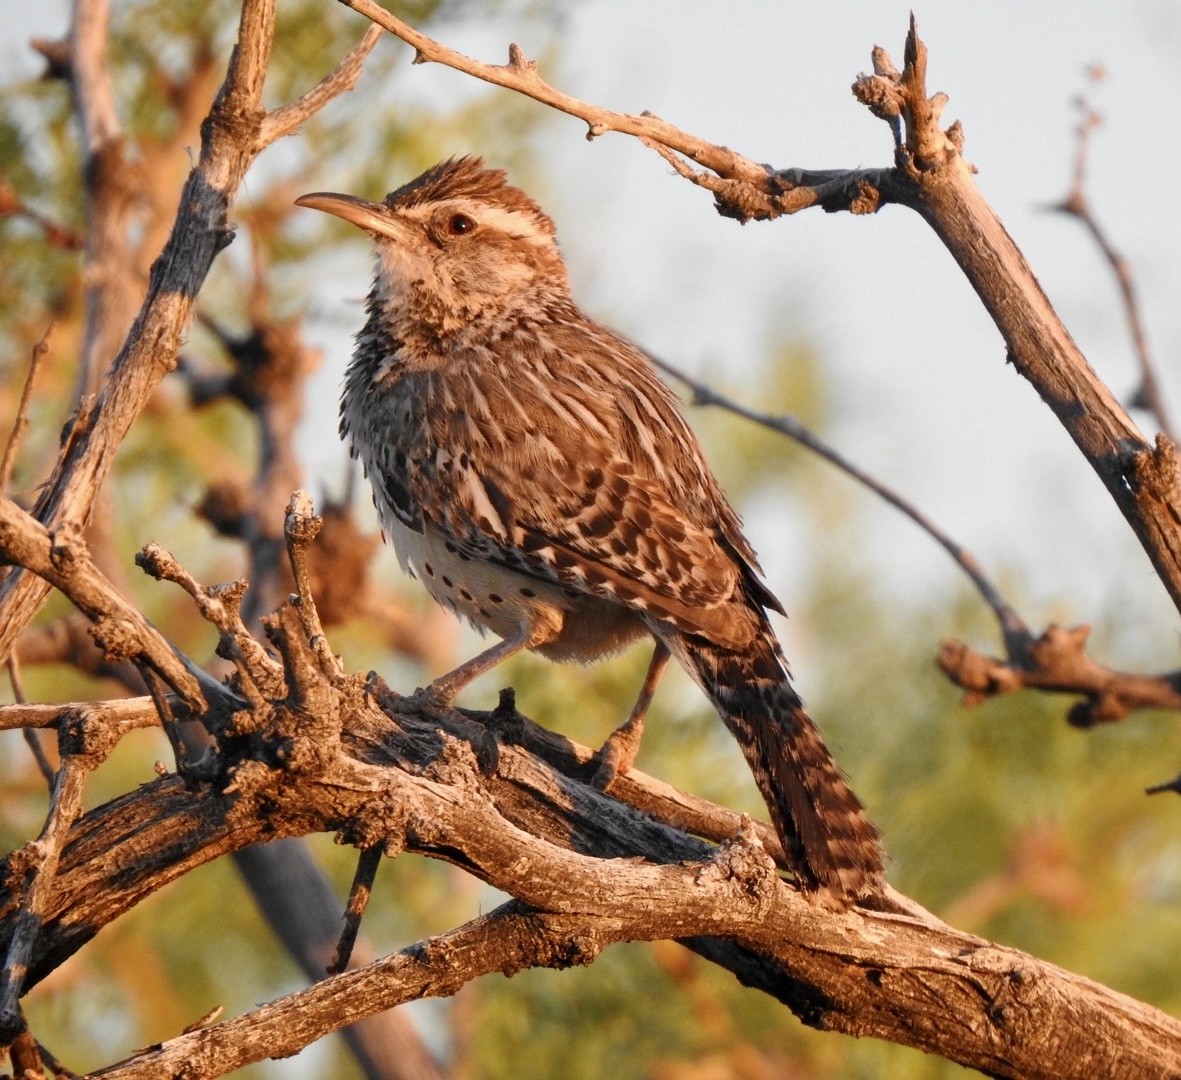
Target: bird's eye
{"points": [[459, 224]]}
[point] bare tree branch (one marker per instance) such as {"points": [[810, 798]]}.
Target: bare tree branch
{"points": [[62, 560], [56, 234], [563, 850], [1148, 394], [111, 185], [744, 189], [1141, 479], [120, 714], [32, 739], [315, 753], [1057, 662], [21, 422], [1012, 626], [287, 120], [35, 870]]}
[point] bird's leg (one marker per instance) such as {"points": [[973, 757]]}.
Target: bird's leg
{"points": [[445, 687], [619, 751]]}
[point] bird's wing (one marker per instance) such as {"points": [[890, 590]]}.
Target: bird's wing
{"points": [[577, 468]]}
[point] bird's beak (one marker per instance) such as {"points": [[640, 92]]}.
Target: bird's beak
{"points": [[374, 218]]}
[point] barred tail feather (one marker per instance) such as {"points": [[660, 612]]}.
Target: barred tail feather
{"points": [[833, 846]]}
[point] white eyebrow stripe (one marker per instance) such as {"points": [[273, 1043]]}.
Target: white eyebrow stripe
{"points": [[514, 222], [517, 223]]}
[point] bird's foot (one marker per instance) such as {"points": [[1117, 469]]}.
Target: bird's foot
{"points": [[433, 697], [616, 755]]}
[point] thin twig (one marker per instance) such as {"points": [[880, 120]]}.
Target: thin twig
{"points": [[159, 696], [56, 234], [30, 734], [300, 527], [746, 190], [54, 1065], [520, 74], [22, 413], [221, 605], [1055, 661], [285, 120], [362, 889], [38, 862], [1013, 628], [1148, 394]]}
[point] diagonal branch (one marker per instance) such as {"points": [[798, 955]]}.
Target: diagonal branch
{"points": [[1148, 394], [35, 867], [21, 422], [287, 119], [63, 561], [1013, 628], [743, 189], [112, 187], [1142, 479], [520, 74], [1055, 661]]}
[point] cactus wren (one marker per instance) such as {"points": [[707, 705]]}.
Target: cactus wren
{"points": [[536, 474]]}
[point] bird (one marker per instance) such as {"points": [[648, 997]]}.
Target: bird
{"points": [[533, 470]]}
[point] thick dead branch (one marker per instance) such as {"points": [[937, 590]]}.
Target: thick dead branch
{"points": [[593, 872], [62, 560], [323, 757], [318, 754]]}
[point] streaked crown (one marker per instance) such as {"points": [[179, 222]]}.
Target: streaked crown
{"points": [[468, 178]]}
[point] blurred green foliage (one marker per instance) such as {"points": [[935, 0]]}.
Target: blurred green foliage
{"points": [[1001, 819]]}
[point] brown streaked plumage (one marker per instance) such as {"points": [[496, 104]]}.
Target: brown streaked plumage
{"points": [[531, 468]]}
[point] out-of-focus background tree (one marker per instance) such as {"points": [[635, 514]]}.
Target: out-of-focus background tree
{"points": [[1002, 820]]}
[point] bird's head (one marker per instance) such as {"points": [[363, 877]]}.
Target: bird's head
{"points": [[455, 245]]}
